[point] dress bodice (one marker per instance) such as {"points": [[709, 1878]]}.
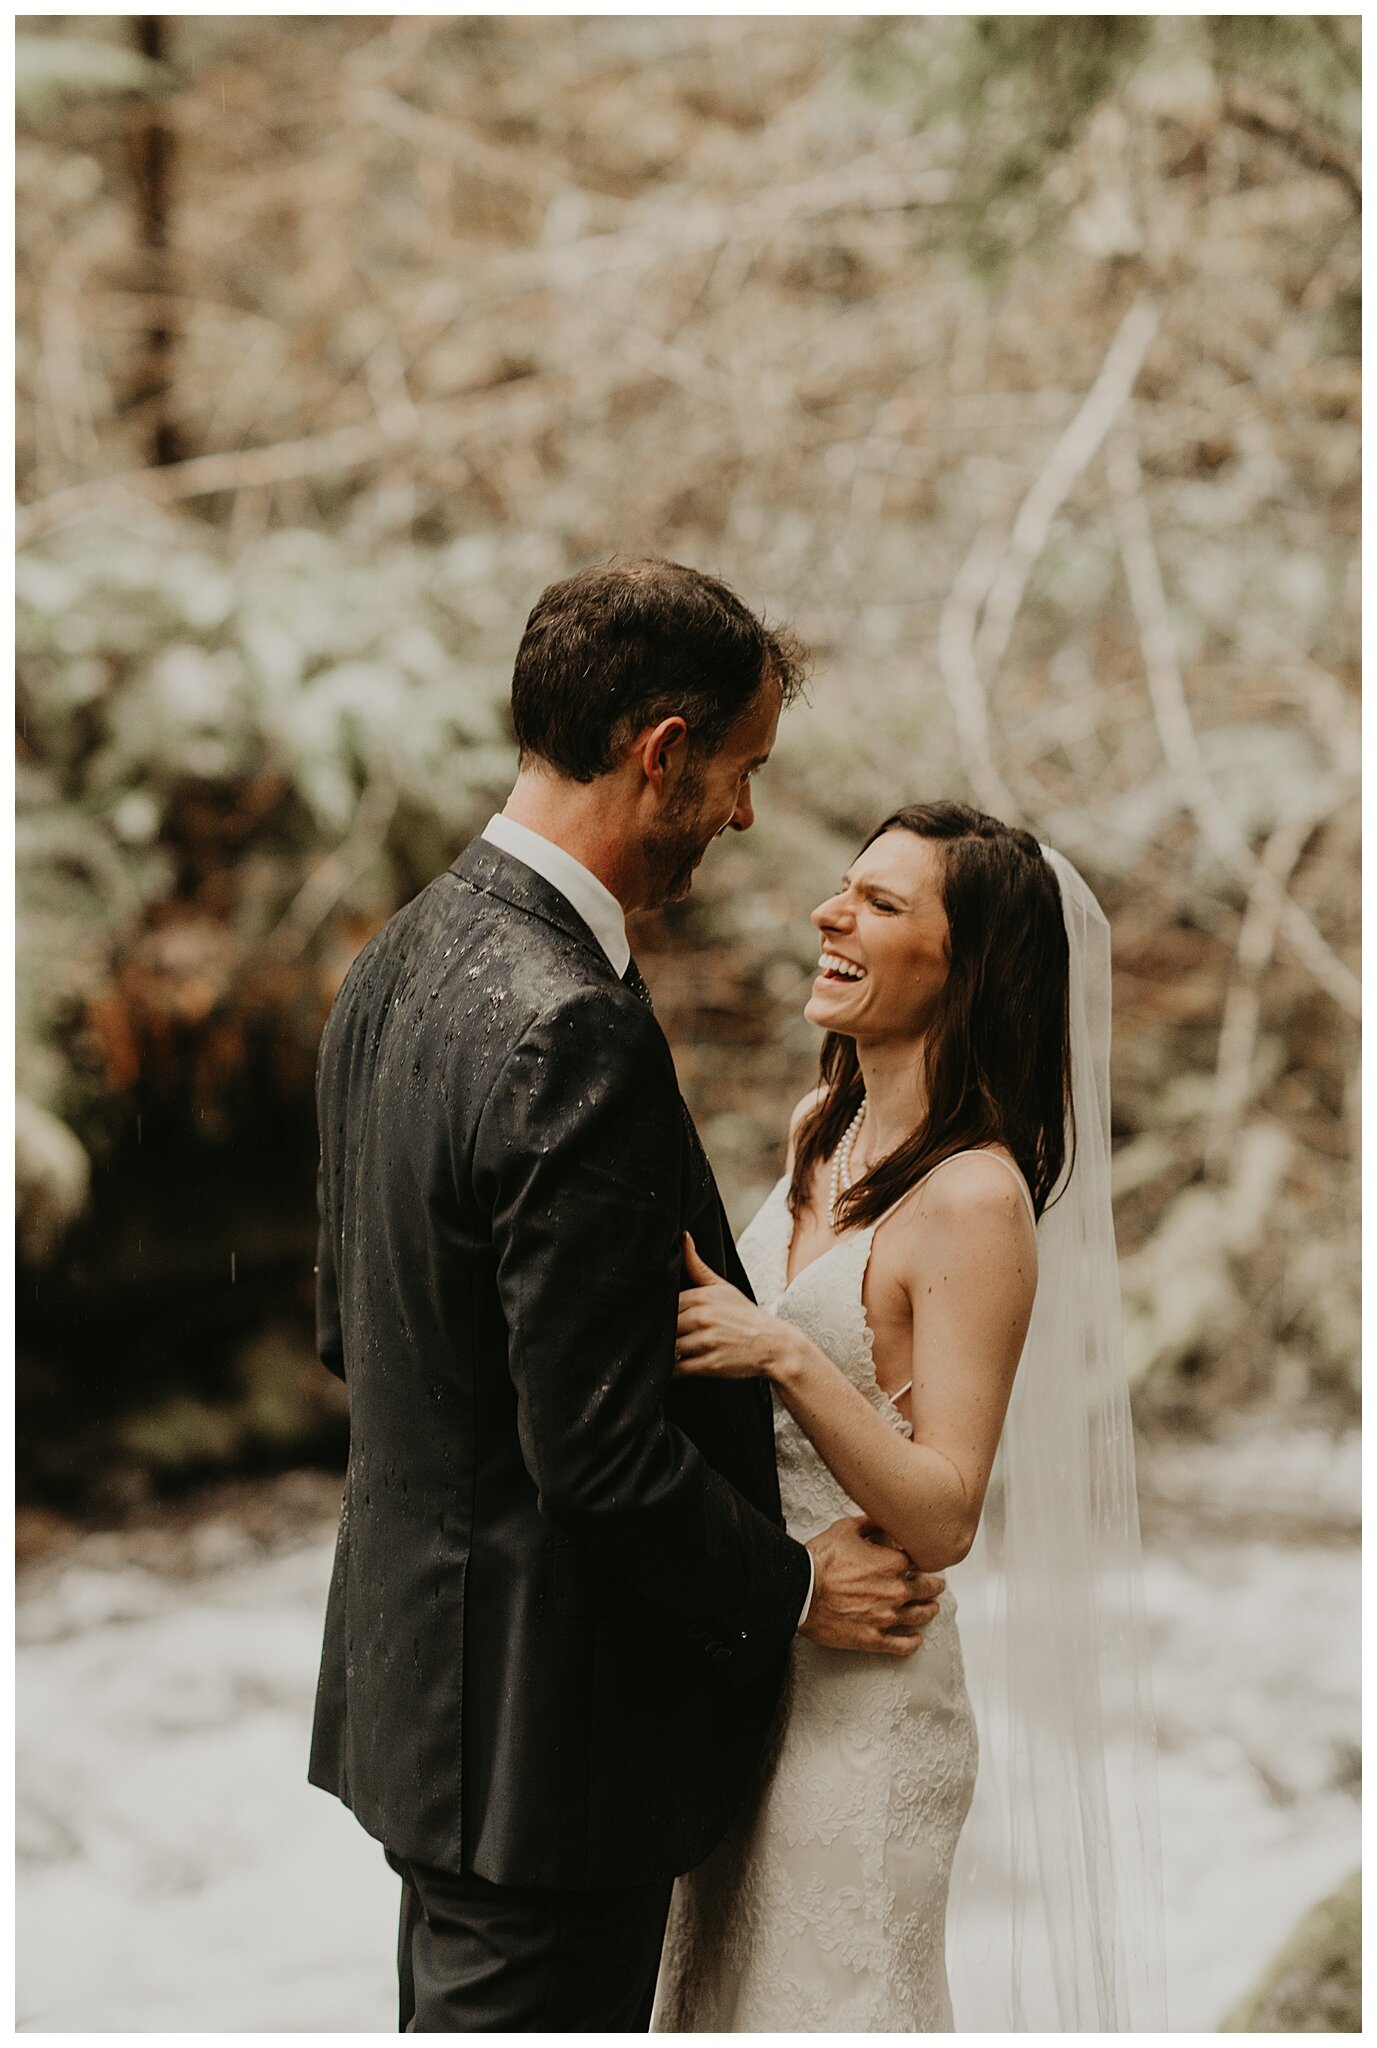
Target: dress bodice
{"points": [[825, 1301]]}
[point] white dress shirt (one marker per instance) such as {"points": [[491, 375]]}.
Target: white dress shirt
{"points": [[602, 914], [578, 885]]}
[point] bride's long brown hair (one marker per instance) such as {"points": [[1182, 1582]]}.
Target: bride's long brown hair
{"points": [[998, 1052]]}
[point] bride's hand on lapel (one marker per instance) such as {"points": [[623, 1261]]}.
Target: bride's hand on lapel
{"points": [[722, 1334]]}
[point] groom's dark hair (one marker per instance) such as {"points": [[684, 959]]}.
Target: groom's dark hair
{"points": [[620, 646]]}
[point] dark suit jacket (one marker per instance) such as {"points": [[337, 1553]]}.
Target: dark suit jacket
{"points": [[562, 1598]]}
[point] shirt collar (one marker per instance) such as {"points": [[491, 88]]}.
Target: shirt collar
{"points": [[580, 888]]}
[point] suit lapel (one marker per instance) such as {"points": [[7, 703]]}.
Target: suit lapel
{"points": [[485, 866]]}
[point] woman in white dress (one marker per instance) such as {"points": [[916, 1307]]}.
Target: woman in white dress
{"points": [[895, 1265]]}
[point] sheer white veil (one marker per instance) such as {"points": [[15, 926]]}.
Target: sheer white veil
{"points": [[1056, 1909]]}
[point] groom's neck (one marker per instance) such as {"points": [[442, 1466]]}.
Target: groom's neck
{"points": [[584, 818]]}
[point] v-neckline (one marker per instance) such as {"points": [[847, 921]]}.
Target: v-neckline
{"points": [[851, 1237]]}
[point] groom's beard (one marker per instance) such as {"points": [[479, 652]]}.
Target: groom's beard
{"points": [[678, 843]]}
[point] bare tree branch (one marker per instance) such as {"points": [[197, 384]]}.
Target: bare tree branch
{"points": [[655, 233], [456, 142], [1166, 691], [341, 867], [956, 639], [1253, 106], [1242, 1015], [978, 618], [1075, 450], [508, 410]]}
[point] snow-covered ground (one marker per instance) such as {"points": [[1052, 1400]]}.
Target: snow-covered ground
{"points": [[177, 1872]]}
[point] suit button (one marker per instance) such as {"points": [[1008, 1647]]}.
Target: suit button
{"points": [[719, 1652]]}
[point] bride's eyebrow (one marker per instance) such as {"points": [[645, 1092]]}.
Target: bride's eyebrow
{"points": [[874, 889]]}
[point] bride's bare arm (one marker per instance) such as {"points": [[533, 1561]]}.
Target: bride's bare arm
{"points": [[968, 1261]]}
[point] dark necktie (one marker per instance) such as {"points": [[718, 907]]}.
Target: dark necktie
{"points": [[635, 981]]}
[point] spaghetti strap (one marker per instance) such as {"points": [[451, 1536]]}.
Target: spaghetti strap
{"points": [[970, 1152]]}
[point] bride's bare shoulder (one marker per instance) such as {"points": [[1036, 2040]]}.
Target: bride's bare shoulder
{"points": [[799, 1111], [802, 1107], [972, 1192], [961, 1242]]}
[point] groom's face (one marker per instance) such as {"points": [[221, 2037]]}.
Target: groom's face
{"points": [[712, 796]]}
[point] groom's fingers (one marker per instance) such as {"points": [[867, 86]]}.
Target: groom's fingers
{"points": [[921, 1610], [869, 1595], [925, 1586], [692, 1332]]}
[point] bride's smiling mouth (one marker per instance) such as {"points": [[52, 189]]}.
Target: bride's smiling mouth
{"points": [[832, 968]]}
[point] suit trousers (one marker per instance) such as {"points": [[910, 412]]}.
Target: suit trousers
{"points": [[475, 1957]]}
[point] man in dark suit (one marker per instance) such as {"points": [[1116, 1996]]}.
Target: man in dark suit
{"points": [[563, 1598]]}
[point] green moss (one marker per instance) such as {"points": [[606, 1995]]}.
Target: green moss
{"points": [[1315, 1986], [182, 1434]]}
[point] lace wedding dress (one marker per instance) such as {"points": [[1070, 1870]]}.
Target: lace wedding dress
{"points": [[825, 1909]]}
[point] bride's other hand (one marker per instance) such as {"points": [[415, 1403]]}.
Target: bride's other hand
{"points": [[722, 1334]]}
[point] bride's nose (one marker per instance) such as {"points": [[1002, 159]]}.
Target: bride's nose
{"points": [[829, 916]]}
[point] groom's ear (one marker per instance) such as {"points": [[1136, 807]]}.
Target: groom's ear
{"points": [[662, 750]]}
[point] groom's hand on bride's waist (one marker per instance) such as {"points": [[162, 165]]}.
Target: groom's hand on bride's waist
{"points": [[867, 1592]]}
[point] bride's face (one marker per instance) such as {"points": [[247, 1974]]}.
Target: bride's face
{"points": [[885, 951]]}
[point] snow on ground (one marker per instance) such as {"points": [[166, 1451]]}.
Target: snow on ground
{"points": [[177, 1872]]}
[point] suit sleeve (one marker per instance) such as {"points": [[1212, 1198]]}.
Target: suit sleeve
{"points": [[329, 1335], [578, 1159]]}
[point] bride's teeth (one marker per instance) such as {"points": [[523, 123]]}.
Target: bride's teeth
{"points": [[830, 964]]}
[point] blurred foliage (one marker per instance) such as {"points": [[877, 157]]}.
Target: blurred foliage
{"points": [[1316, 59], [1011, 94], [205, 737], [450, 305], [1316, 1984], [1013, 91], [50, 71]]}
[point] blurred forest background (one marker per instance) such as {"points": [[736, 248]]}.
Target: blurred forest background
{"points": [[1013, 359]]}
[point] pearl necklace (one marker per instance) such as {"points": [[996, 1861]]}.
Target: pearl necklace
{"points": [[841, 1163]]}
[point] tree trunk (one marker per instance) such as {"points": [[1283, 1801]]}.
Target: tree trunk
{"points": [[153, 147]]}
